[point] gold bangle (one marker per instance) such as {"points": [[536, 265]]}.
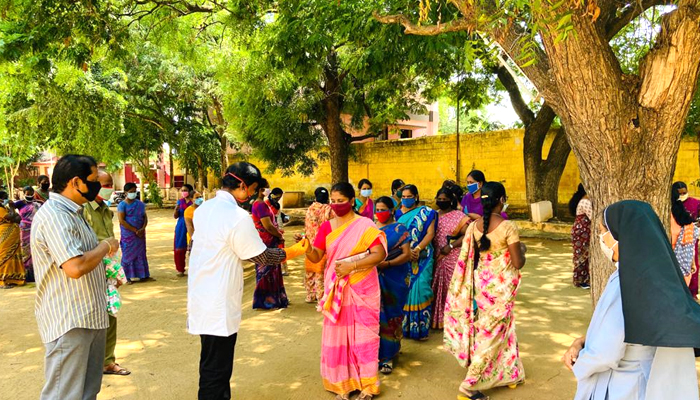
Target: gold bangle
{"points": [[108, 245]]}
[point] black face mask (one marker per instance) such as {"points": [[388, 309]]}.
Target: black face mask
{"points": [[29, 199], [45, 186], [444, 205], [93, 190]]}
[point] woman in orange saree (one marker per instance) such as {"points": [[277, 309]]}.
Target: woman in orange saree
{"points": [[353, 246], [11, 267]]}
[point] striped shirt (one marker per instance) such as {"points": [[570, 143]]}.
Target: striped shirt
{"points": [[60, 233]]}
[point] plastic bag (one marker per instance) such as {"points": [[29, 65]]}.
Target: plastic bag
{"points": [[115, 274]]}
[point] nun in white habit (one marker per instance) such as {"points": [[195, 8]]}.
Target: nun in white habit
{"points": [[641, 339]]}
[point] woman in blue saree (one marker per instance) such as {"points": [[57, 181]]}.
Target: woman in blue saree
{"points": [[394, 280], [420, 221]]}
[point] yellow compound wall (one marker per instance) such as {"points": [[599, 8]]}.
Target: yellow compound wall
{"points": [[428, 161]]}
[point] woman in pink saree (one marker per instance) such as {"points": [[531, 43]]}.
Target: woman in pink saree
{"points": [[351, 302]]}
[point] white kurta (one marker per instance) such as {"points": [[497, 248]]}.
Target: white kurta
{"points": [[610, 369]]}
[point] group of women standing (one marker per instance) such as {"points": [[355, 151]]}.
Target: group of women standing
{"points": [[394, 278], [15, 230], [685, 234]]}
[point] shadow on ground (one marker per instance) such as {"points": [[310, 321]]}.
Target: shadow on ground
{"points": [[277, 355]]}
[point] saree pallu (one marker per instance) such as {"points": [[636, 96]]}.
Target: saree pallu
{"points": [[350, 344], [27, 213], [269, 283], [394, 282], [448, 224], [11, 268], [366, 210], [479, 322], [417, 311], [581, 241]]}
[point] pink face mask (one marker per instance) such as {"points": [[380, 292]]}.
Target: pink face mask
{"points": [[185, 194]]}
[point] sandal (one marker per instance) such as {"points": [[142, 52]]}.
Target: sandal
{"points": [[116, 369], [365, 396], [515, 385], [149, 279], [342, 397], [386, 369], [474, 396]]}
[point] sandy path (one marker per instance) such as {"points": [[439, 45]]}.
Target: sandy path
{"points": [[277, 354]]}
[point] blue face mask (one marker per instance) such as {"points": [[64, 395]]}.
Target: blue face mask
{"points": [[198, 202], [473, 187], [408, 203]]}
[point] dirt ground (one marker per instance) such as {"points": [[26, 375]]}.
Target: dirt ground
{"points": [[278, 352]]}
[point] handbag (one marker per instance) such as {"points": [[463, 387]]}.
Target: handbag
{"points": [[393, 253]]}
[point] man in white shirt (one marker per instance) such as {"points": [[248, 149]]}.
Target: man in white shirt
{"points": [[224, 238]]}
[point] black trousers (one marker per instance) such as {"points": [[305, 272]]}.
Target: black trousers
{"points": [[216, 367]]}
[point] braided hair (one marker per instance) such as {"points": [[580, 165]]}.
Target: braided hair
{"points": [[491, 195]]}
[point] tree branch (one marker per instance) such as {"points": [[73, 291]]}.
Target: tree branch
{"points": [[614, 23], [524, 113], [457, 25], [560, 149], [673, 63], [146, 119], [354, 139], [509, 38]]}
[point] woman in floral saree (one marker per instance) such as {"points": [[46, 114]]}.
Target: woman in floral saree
{"points": [[318, 213], [350, 305], [420, 221], [479, 322]]}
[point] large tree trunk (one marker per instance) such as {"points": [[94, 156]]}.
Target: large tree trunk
{"points": [[332, 124], [625, 130], [216, 118], [172, 166], [201, 172], [542, 176]]}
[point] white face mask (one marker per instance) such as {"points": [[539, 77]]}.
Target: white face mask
{"points": [[683, 197], [608, 251], [106, 193], [131, 196], [505, 207], [366, 192]]}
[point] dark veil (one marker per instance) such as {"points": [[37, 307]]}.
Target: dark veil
{"points": [[656, 302]]}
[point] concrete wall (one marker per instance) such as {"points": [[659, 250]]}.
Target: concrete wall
{"points": [[428, 161]]}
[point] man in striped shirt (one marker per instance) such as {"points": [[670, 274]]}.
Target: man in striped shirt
{"points": [[71, 305]]}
